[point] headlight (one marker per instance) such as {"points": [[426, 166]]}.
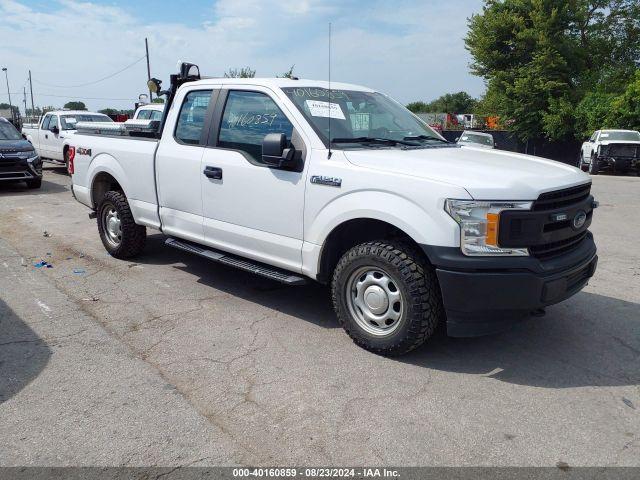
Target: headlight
{"points": [[479, 226], [29, 155]]}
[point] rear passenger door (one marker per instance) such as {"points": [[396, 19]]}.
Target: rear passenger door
{"points": [[251, 209], [178, 163]]}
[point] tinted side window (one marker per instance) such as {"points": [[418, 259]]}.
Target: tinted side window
{"points": [[155, 115], [192, 116], [53, 122], [247, 118], [45, 122], [143, 114]]}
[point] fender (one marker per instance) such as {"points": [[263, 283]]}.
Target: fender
{"points": [[422, 226], [389, 207], [103, 162]]}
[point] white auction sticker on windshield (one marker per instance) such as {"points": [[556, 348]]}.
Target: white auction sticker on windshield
{"points": [[325, 109], [70, 120]]}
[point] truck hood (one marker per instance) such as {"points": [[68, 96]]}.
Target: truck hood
{"points": [[485, 174], [619, 142]]}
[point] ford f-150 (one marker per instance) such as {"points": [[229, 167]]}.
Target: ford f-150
{"points": [[51, 135], [301, 180]]}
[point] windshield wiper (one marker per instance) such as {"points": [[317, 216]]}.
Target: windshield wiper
{"points": [[425, 137], [381, 141]]}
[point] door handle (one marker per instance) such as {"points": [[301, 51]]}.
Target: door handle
{"points": [[213, 172], [46, 136]]}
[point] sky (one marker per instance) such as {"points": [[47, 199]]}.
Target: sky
{"points": [[409, 49]]}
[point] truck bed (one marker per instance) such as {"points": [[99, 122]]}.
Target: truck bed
{"points": [[119, 154]]}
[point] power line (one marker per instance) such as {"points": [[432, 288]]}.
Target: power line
{"points": [[94, 81], [72, 97]]}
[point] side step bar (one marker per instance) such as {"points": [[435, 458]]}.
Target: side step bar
{"points": [[258, 268]]}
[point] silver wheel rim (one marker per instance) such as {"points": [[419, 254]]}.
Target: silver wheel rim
{"points": [[112, 226], [374, 301]]}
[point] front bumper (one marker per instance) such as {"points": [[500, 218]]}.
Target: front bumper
{"points": [[20, 169], [618, 164], [484, 295]]}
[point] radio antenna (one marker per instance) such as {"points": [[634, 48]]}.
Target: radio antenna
{"points": [[329, 102]]}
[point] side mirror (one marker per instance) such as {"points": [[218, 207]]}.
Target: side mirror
{"points": [[274, 151], [55, 130]]}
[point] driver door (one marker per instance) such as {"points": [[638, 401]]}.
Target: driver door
{"points": [[251, 209]]}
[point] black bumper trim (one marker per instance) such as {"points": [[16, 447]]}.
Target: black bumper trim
{"points": [[496, 292]]}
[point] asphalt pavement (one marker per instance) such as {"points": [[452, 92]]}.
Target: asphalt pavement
{"points": [[171, 360]]}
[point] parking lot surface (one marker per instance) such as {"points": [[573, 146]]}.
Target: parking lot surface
{"points": [[171, 360]]}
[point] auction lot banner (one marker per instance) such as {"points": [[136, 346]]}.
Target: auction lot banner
{"points": [[562, 472]]}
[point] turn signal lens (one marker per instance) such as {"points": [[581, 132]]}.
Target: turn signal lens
{"points": [[493, 220]]}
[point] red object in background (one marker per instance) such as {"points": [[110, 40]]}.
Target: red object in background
{"points": [[72, 156], [119, 117], [436, 126]]}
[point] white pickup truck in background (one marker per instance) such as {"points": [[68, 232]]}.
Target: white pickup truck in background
{"points": [[50, 136], [149, 111], [615, 151], [296, 181]]}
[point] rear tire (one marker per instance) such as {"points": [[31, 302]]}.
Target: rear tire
{"points": [[120, 234], [386, 297], [34, 183], [66, 161]]}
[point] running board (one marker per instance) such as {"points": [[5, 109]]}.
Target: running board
{"points": [[258, 268]]}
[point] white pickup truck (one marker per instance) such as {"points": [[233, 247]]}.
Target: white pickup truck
{"points": [[51, 135], [615, 151], [294, 180]]}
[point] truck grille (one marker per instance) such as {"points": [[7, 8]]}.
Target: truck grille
{"points": [[548, 229], [622, 150], [562, 198]]}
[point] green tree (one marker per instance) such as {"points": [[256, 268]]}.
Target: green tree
{"points": [[418, 107], [158, 100], [541, 57], [460, 102], [625, 111], [75, 105], [593, 113], [109, 111], [244, 72]]}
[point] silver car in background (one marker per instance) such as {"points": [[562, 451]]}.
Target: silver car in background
{"points": [[476, 139]]}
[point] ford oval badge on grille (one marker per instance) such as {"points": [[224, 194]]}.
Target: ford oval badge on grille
{"points": [[579, 219]]}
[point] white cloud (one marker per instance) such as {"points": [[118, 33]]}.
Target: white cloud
{"points": [[412, 49]]}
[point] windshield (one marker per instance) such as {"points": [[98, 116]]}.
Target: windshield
{"points": [[631, 136], [360, 118], [9, 132], [474, 138], [69, 121]]}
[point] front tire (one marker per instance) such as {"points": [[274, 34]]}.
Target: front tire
{"points": [[386, 297], [593, 166], [120, 234]]}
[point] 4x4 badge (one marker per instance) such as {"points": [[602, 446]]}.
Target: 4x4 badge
{"points": [[329, 181]]}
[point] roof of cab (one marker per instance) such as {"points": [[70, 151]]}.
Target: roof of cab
{"points": [[280, 83], [73, 112]]}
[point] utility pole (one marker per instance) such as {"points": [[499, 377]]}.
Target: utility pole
{"points": [[6, 75], [24, 93], [33, 110], [146, 46]]}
